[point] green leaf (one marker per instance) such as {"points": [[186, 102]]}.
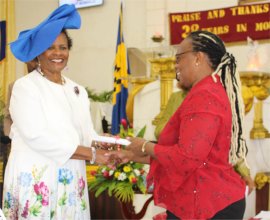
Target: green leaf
{"points": [[105, 96], [83, 205], [111, 188], [101, 189], [35, 209], [39, 197], [6, 204], [141, 132], [93, 185], [52, 214], [138, 166], [141, 186], [124, 192], [62, 200]]}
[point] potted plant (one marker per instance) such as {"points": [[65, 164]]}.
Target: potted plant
{"points": [[157, 38], [121, 181]]}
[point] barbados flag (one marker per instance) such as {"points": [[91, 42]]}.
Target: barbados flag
{"points": [[121, 72], [2, 40]]}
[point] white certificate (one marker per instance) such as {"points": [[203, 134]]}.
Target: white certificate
{"points": [[111, 140]]}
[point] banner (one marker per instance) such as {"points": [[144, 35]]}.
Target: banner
{"points": [[2, 40], [121, 72], [230, 24]]}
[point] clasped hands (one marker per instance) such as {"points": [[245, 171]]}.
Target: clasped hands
{"points": [[132, 152]]}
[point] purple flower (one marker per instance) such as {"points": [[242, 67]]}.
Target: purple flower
{"points": [[25, 209], [81, 184], [42, 193]]}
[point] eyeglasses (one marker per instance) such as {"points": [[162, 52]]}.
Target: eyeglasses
{"points": [[178, 55]]}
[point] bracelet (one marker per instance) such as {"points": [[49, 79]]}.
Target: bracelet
{"points": [[143, 146], [93, 160]]}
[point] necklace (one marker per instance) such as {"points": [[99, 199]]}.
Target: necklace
{"points": [[63, 81]]}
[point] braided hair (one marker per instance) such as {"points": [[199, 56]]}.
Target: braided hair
{"points": [[224, 65]]}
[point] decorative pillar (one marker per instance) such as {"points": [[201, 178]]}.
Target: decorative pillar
{"points": [[165, 69], [258, 83], [138, 84]]}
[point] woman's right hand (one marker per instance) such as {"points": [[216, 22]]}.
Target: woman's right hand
{"points": [[112, 157], [119, 156]]}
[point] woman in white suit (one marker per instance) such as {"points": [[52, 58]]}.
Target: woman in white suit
{"points": [[52, 131]]}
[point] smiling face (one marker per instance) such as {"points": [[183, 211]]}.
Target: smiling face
{"points": [[185, 63], [55, 58]]}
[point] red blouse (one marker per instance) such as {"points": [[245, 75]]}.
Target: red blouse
{"points": [[192, 176]]}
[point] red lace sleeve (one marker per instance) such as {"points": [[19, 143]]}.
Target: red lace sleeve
{"points": [[197, 134]]}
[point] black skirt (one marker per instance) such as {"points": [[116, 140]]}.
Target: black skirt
{"points": [[234, 211]]}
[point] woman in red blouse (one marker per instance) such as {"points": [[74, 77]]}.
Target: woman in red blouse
{"points": [[189, 166]]}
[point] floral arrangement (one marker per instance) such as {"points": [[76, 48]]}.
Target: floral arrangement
{"points": [[157, 37], [120, 180], [261, 179], [105, 96]]}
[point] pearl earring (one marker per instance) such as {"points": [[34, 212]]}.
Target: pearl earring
{"points": [[66, 68], [39, 67]]}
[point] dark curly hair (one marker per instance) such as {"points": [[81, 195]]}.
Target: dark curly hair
{"points": [[69, 40]]}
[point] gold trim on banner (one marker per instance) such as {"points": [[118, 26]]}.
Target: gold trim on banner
{"points": [[244, 2]]}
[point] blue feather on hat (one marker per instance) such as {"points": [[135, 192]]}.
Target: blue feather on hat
{"points": [[33, 42]]}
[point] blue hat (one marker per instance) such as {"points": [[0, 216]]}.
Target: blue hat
{"points": [[33, 42]]}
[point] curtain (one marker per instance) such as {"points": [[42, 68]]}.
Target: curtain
{"points": [[7, 65]]}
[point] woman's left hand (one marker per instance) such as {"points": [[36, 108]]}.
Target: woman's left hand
{"points": [[250, 183], [102, 159], [119, 157]]}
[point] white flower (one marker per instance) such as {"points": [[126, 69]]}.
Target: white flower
{"points": [[111, 172], [158, 35], [137, 172], [122, 177], [103, 170]]}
